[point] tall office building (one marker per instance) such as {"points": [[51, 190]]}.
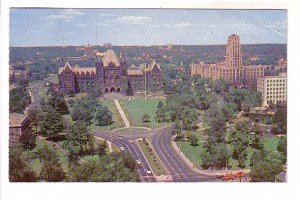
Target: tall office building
{"points": [[273, 88]]}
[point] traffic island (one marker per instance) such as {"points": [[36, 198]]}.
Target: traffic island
{"points": [[153, 160]]}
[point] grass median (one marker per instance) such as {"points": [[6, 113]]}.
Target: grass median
{"points": [[153, 160]]}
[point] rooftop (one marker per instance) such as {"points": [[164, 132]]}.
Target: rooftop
{"points": [[16, 119], [110, 57], [133, 72]]}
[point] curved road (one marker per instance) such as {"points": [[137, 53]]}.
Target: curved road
{"points": [[174, 164], [133, 149]]}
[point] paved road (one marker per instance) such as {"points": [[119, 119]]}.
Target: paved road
{"points": [[178, 168], [133, 149], [36, 96]]}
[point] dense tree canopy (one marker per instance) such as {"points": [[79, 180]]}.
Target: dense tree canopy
{"points": [[52, 124], [19, 98]]}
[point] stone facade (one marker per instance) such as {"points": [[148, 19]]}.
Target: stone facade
{"points": [[18, 124], [232, 69], [111, 74]]}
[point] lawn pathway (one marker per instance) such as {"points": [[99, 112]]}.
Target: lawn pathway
{"points": [[126, 121]]}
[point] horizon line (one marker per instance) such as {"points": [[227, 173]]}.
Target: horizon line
{"points": [[144, 45]]}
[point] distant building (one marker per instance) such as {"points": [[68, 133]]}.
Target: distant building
{"points": [[231, 70], [273, 88], [261, 114], [281, 66], [16, 75], [18, 124], [111, 74], [88, 51], [107, 45]]}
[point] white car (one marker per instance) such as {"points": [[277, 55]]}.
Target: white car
{"points": [[148, 171], [138, 162], [130, 140], [121, 148]]}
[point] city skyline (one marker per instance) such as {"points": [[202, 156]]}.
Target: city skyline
{"points": [[144, 27]]}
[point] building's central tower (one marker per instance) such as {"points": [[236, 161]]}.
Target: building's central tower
{"points": [[234, 57]]}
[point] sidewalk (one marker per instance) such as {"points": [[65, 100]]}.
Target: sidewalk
{"points": [[204, 172], [126, 121]]}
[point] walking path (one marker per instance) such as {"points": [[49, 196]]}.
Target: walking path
{"points": [[126, 121]]}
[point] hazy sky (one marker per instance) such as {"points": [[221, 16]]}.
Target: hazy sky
{"points": [[40, 27]]}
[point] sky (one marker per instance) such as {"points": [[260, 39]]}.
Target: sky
{"points": [[144, 27]]}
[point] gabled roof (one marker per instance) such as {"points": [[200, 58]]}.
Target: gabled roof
{"points": [[85, 70], [109, 57], [152, 65], [66, 67]]}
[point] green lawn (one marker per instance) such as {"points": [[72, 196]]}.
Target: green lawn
{"points": [[35, 162], [271, 142], [191, 152], [152, 158], [136, 108]]}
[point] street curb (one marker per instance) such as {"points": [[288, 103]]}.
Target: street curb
{"points": [[145, 156], [158, 157]]}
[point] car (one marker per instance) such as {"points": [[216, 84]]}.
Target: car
{"points": [[139, 163], [122, 148], [219, 175], [130, 140], [148, 171]]}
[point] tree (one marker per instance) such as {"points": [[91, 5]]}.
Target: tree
{"points": [[189, 118], [161, 112], [53, 124], [101, 149], [206, 159], [129, 162], [35, 117], [146, 118], [19, 169], [58, 102], [81, 141], [220, 154], [28, 140], [282, 148], [108, 168], [240, 140], [280, 120], [177, 129], [129, 90], [95, 91], [103, 116], [264, 171], [194, 140], [19, 98], [52, 170], [82, 112]]}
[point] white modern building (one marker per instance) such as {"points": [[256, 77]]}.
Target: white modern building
{"points": [[273, 88]]}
